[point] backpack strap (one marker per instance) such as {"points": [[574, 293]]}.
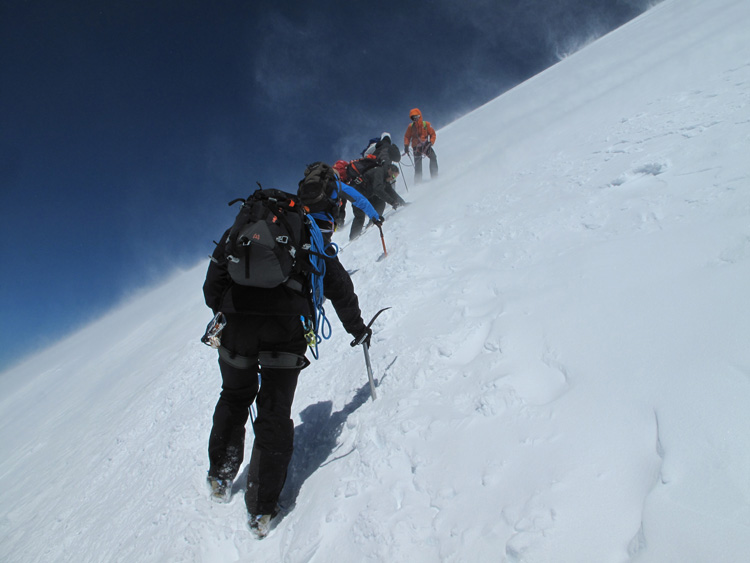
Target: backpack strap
{"points": [[239, 222], [276, 208]]}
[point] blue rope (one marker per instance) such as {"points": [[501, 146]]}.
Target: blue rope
{"points": [[321, 326]]}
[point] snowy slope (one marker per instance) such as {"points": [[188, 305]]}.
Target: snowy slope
{"points": [[564, 375]]}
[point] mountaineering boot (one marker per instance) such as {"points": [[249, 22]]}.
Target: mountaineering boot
{"points": [[220, 489], [260, 524]]}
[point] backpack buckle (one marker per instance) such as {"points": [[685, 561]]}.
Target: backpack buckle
{"points": [[282, 239]]}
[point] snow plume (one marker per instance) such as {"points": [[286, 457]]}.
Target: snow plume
{"points": [[569, 28], [563, 376], [542, 31], [285, 60], [573, 43], [286, 69]]}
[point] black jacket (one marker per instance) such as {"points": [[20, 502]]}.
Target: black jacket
{"points": [[376, 185], [222, 294]]}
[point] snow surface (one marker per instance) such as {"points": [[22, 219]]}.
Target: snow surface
{"points": [[564, 375]]}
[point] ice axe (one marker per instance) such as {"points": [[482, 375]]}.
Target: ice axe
{"points": [[385, 251], [366, 348]]}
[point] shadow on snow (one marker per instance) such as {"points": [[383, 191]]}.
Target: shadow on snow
{"points": [[315, 440]]}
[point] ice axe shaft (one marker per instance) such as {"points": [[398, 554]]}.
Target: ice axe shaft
{"points": [[382, 240], [366, 348]]}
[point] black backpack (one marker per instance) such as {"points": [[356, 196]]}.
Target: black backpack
{"points": [[319, 193], [385, 154], [356, 169], [388, 151], [318, 189], [268, 240]]}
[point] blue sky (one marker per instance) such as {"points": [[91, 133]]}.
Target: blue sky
{"points": [[128, 125]]}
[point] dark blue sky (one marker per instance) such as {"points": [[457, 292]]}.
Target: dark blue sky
{"points": [[126, 126]]}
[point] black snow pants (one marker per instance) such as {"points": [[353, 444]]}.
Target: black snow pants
{"points": [[243, 339], [418, 164], [359, 216]]}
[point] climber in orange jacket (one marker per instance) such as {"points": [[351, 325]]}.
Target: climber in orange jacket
{"points": [[421, 136]]}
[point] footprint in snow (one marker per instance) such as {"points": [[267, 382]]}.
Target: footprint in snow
{"points": [[647, 169]]}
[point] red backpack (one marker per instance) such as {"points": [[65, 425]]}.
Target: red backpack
{"points": [[351, 172], [356, 169], [340, 167]]}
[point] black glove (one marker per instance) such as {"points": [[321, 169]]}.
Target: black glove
{"points": [[379, 221], [406, 149], [363, 337]]}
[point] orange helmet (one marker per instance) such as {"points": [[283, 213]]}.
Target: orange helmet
{"points": [[415, 113]]}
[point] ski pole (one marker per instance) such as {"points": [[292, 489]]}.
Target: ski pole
{"points": [[403, 177]]}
